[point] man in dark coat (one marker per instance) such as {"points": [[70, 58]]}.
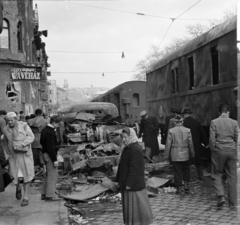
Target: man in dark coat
{"points": [[167, 119], [49, 143], [198, 137], [149, 130]]}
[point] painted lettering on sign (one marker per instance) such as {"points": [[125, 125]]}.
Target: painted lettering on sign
{"points": [[29, 73]]}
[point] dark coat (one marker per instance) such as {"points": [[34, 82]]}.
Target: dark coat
{"points": [[150, 129], [2, 156], [48, 141], [131, 168], [198, 137], [168, 117]]}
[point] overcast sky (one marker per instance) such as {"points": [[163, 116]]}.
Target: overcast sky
{"points": [[85, 26]]}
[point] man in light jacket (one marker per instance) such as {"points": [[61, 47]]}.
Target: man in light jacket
{"points": [[178, 149], [223, 144]]}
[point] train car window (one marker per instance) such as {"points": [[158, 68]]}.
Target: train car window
{"points": [[215, 65], [175, 81], [136, 102], [191, 73]]}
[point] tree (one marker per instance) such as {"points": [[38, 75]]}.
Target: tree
{"points": [[193, 31]]}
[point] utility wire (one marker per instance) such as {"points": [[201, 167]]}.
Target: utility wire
{"points": [[85, 52], [135, 13], [97, 72], [177, 18]]}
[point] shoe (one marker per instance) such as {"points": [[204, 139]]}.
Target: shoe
{"points": [[52, 199], [18, 191], [221, 201], [25, 202], [186, 186], [178, 190], [43, 197], [232, 206]]}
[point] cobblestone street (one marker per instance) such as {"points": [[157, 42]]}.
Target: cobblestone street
{"points": [[196, 208]]}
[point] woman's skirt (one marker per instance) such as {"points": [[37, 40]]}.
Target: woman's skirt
{"points": [[136, 208]]}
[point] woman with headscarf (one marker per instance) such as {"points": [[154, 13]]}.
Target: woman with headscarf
{"points": [[130, 177], [19, 136]]}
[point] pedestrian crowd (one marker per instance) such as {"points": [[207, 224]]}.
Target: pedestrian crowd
{"points": [[29, 145]]}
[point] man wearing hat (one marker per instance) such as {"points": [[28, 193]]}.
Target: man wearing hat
{"points": [[178, 149], [149, 130], [198, 137]]}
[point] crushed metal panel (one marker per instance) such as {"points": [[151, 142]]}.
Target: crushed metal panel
{"points": [[71, 117], [99, 161], [91, 192], [156, 182]]}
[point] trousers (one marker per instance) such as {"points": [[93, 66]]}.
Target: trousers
{"points": [[225, 162], [181, 171], [50, 177]]}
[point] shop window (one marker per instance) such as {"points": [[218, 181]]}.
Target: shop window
{"points": [[215, 65], [136, 102], [4, 36], [191, 73], [19, 36]]}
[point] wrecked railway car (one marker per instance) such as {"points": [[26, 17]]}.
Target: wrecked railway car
{"points": [[201, 75], [129, 98]]}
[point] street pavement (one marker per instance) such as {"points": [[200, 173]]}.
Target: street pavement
{"points": [[196, 208], [38, 212]]}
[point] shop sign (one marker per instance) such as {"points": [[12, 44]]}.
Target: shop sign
{"points": [[26, 73]]}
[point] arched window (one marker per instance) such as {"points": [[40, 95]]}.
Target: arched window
{"points": [[4, 36], [19, 36], [136, 102]]}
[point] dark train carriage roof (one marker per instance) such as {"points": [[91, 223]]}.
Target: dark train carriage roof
{"points": [[116, 89], [192, 45]]}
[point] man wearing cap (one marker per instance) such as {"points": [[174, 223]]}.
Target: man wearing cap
{"points": [[198, 136], [149, 130], [223, 144], [19, 137], [178, 149]]}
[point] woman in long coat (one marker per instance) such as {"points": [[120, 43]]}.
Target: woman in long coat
{"points": [[130, 176], [19, 135]]}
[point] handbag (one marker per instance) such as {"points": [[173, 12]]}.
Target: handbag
{"points": [[7, 178], [20, 148]]}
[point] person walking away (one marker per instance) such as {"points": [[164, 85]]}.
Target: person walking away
{"points": [[130, 177], [223, 145], [149, 130], [37, 124], [199, 139], [19, 137], [178, 149], [3, 160], [48, 140]]}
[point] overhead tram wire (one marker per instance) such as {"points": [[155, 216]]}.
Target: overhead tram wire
{"points": [[176, 18], [137, 13], [95, 72]]}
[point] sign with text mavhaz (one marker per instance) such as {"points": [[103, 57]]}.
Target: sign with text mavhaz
{"points": [[26, 73]]}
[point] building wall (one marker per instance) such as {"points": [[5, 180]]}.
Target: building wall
{"points": [[27, 93]]}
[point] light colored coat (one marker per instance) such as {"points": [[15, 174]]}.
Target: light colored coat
{"points": [[20, 134], [179, 145], [223, 134]]}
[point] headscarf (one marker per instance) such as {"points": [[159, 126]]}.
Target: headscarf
{"points": [[132, 135]]}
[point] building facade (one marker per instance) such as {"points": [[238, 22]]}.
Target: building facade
{"points": [[23, 59]]}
